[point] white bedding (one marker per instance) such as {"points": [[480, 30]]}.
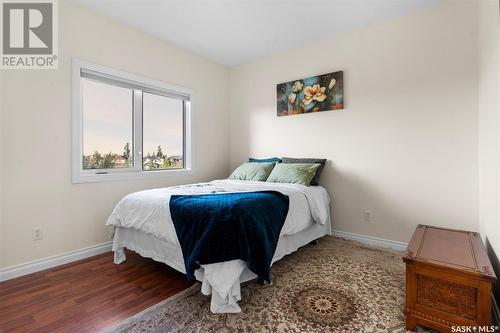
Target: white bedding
{"points": [[148, 212]]}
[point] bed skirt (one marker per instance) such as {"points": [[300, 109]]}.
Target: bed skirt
{"points": [[159, 250]]}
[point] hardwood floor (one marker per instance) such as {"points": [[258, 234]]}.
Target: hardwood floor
{"points": [[85, 296]]}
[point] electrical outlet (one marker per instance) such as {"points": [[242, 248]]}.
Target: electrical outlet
{"points": [[37, 234], [367, 215]]}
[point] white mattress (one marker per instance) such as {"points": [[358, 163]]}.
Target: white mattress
{"points": [[143, 224], [149, 212]]}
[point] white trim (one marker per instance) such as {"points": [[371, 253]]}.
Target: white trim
{"points": [[116, 176], [83, 176], [11, 272], [370, 240], [137, 128]]}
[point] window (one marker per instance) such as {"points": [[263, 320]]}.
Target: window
{"points": [[163, 137], [107, 125], [125, 126]]}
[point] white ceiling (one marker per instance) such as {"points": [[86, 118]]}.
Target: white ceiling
{"points": [[239, 31]]}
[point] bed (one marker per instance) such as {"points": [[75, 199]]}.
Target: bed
{"points": [[143, 224]]}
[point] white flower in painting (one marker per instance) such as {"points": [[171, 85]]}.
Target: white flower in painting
{"points": [[332, 83], [297, 86], [314, 93], [291, 98]]}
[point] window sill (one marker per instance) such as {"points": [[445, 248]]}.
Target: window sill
{"points": [[132, 175]]}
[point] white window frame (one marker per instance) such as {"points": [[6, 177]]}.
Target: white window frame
{"points": [[79, 175]]}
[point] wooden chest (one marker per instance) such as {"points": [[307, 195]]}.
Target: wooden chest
{"points": [[448, 279]]}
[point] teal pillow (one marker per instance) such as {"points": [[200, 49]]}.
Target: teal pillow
{"points": [[296, 173], [252, 171], [266, 160]]}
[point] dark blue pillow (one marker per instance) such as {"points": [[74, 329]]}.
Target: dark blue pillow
{"points": [[265, 160]]}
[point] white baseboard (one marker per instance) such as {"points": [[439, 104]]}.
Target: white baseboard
{"points": [[11, 272], [399, 246]]}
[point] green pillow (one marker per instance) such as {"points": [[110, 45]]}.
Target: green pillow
{"points": [[252, 171], [296, 173]]}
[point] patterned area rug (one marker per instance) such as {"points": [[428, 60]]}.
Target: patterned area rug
{"points": [[335, 286]]}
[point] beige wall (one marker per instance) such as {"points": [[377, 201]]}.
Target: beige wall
{"points": [[489, 121], [36, 135], [405, 147]]}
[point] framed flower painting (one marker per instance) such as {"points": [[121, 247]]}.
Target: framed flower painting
{"points": [[313, 94]]}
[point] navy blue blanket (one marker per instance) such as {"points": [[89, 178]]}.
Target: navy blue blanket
{"points": [[221, 227]]}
